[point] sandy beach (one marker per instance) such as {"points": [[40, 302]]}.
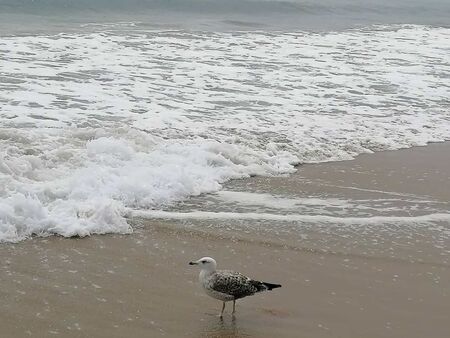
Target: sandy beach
{"points": [[372, 280]]}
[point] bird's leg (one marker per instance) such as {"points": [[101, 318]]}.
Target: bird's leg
{"points": [[234, 306], [223, 308]]}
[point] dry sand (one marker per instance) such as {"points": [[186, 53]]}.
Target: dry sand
{"points": [[140, 285]]}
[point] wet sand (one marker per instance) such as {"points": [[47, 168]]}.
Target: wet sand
{"points": [[140, 285]]}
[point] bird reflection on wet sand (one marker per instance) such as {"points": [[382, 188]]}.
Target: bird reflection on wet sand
{"points": [[216, 327]]}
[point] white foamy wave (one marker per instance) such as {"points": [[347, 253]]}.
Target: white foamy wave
{"points": [[302, 219], [22, 216], [80, 191], [94, 124]]}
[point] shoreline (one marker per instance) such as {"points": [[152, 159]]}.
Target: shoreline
{"points": [[338, 281]]}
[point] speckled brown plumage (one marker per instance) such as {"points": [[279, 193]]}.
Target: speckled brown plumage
{"points": [[236, 284]]}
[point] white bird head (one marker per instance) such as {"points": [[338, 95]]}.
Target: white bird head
{"points": [[205, 263]]}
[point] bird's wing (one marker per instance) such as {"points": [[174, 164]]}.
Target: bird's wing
{"points": [[233, 283]]}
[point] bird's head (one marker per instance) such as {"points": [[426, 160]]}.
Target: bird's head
{"points": [[205, 263]]}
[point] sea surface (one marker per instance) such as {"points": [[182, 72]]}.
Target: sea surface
{"points": [[110, 109]]}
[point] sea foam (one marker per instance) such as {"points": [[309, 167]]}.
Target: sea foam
{"points": [[94, 125]]}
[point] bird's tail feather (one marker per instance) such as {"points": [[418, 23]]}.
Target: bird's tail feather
{"points": [[271, 286]]}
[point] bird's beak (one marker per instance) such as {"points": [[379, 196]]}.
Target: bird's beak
{"points": [[193, 263]]}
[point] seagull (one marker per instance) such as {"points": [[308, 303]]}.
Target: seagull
{"points": [[226, 285]]}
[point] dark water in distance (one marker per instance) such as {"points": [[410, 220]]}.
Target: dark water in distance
{"points": [[30, 15]]}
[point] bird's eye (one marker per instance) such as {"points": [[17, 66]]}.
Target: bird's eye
{"points": [[203, 262]]}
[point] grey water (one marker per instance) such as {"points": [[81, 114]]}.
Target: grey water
{"points": [[41, 16]]}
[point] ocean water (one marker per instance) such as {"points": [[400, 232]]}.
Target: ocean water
{"points": [[115, 108]]}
